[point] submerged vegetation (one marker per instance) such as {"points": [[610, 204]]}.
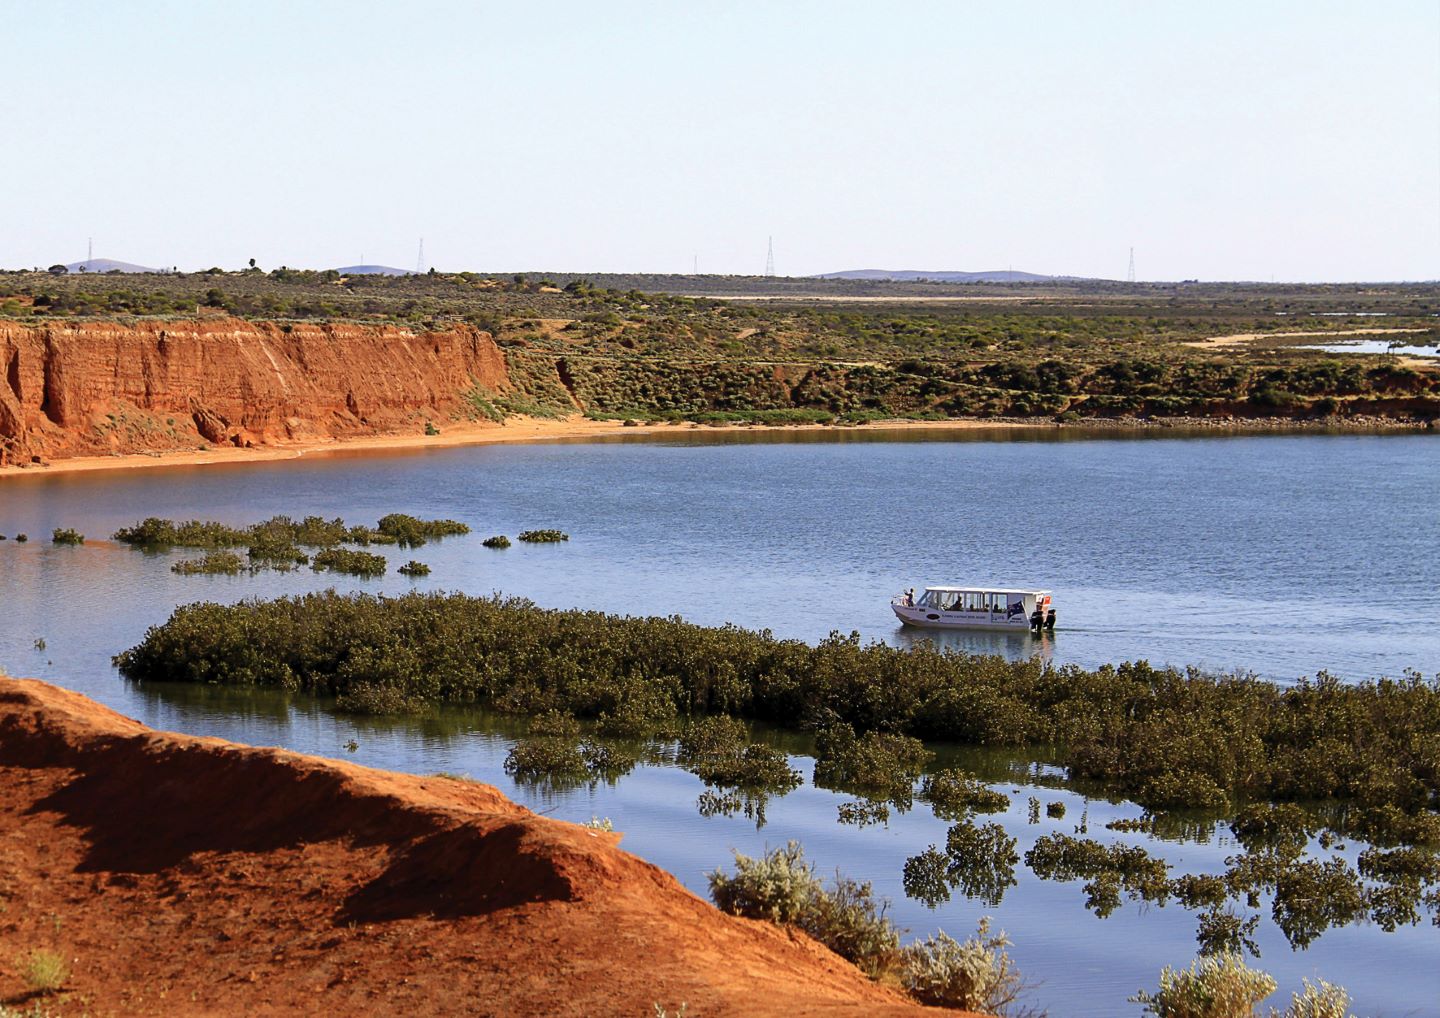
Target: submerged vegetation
{"points": [[225, 563], [276, 543], [348, 560], [1162, 737]]}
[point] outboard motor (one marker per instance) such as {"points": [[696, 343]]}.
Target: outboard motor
{"points": [[1050, 619]]}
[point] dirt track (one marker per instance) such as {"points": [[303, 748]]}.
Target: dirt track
{"points": [[195, 876]]}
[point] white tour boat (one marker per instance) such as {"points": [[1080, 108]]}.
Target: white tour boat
{"points": [[976, 608]]}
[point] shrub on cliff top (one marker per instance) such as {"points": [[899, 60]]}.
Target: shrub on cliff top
{"points": [[782, 887]]}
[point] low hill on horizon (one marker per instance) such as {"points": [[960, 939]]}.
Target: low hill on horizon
{"points": [[372, 270], [107, 265], [911, 275]]}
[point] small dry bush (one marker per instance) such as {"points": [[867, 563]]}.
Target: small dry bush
{"points": [[782, 887], [44, 971], [976, 975], [1221, 986], [779, 886], [1322, 1000]]}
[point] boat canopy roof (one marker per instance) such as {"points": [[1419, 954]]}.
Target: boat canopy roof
{"points": [[987, 590]]}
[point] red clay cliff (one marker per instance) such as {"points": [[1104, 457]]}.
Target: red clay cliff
{"points": [[188, 876], [96, 387]]}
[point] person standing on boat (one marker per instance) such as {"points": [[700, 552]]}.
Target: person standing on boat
{"points": [[910, 598]]}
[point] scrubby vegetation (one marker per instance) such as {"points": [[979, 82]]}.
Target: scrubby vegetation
{"points": [[225, 563], [952, 794], [719, 752], [64, 535], [604, 346], [348, 560], [782, 887], [276, 543], [652, 357], [44, 971], [543, 536], [976, 975], [1161, 736], [498, 541], [1225, 987]]}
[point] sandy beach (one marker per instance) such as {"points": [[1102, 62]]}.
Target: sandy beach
{"points": [[516, 429]]}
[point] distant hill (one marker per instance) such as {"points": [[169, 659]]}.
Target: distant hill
{"points": [[107, 265], [910, 275], [373, 270]]}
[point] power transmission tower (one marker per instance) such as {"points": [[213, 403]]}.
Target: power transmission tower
{"points": [[1130, 275], [420, 259], [770, 258]]}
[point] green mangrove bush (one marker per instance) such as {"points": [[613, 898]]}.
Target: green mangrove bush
{"points": [[348, 560], [215, 562], [65, 535], [952, 793], [543, 536], [1143, 731]]}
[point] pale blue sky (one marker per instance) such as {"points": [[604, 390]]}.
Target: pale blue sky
{"points": [[1293, 140]]}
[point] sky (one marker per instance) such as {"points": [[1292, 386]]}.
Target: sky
{"points": [[1256, 140]]}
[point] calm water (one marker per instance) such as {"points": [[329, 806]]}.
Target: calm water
{"points": [[1281, 555], [1375, 346]]}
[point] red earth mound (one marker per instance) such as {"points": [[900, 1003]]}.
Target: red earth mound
{"points": [[184, 875]]}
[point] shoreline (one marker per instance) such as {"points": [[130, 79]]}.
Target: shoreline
{"points": [[525, 429]]}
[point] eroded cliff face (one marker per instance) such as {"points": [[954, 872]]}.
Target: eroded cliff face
{"points": [[97, 387]]}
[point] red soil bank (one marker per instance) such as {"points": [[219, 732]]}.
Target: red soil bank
{"points": [[182, 875], [99, 387]]}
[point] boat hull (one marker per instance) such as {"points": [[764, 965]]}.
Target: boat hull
{"points": [[930, 618]]}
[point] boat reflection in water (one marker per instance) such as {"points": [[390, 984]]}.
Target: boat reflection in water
{"points": [[1010, 645]]}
